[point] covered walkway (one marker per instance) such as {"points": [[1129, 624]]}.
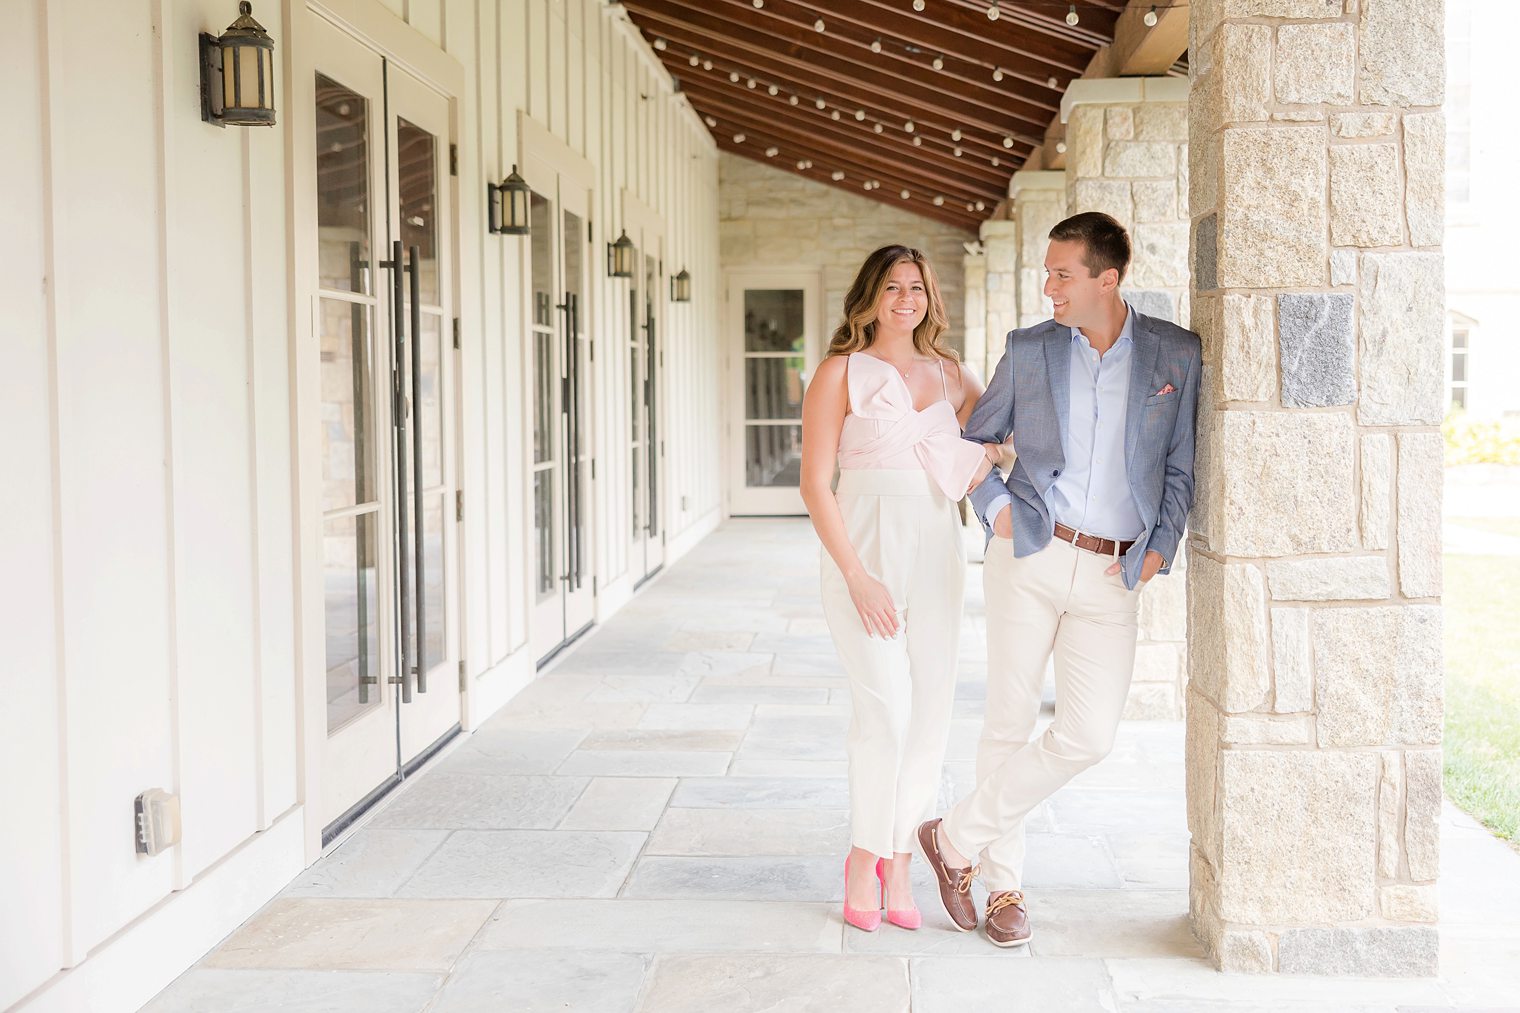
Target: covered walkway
{"points": [[658, 824]]}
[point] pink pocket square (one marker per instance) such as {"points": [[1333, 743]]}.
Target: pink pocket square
{"points": [[1168, 389]]}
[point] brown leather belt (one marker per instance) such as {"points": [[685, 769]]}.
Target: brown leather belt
{"points": [[1092, 543]]}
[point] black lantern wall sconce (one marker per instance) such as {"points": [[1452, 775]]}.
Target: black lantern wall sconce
{"points": [[508, 203], [237, 74], [680, 287], [620, 257]]}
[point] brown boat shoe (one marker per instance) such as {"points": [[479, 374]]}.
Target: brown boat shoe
{"points": [[1007, 922], [954, 884]]}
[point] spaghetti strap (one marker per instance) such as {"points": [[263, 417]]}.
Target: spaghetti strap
{"points": [[942, 384]]}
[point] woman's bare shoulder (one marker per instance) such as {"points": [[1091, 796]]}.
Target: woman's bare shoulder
{"points": [[832, 369]]}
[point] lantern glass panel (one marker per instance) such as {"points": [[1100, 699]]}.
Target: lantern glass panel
{"points": [[228, 56], [248, 76], [519, 218], [267, 57]]}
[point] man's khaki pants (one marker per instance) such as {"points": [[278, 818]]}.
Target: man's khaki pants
{"points": [[1058, 600]]}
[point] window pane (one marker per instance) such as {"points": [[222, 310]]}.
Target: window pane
{"points": [[348, 461], [417, 166], [575, 251], [1459, 397], [429, 410], [774, 456], [343, 226], [1459, 367], [543, 530], [545, 390], [541, 240], [352, 630], [773, 320], [773, 388]]}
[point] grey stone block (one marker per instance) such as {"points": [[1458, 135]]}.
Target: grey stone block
{"points": [[1410, 952], [1160, 305], [1315, 334], [1206, 254]]}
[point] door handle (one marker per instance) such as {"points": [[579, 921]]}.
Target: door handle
{"points": [[419, 570], [398, 422]]}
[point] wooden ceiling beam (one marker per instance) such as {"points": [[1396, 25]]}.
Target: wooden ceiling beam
{"points": [[821, 72], [1094, 29], [1142, 50], [917, 204], [846, 138]]}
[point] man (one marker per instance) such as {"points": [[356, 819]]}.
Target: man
{"points": [[1100, 403]]}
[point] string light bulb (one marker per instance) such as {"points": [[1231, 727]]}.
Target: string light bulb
{"points": [[904, 194], [820, 103], [733, 77], [938, 200], [997, 73], [1150, 17], [996, 161], [772, 151], [773, 90], [992, 12], [875, 45], [738, 138], [1008, 142], [758, 3], [750, 83], [791, 100], [955, 134], [876, 127], [693, 59], [1072, 17], [710, 121], [938, 63], [918, 5], [707, 65], [837, 175], [908, 126], [980, 206], [818, 25], [957, 152], [1060, 147], [918, 142], [860, 114], [659, 44], [834, 115], [1051, 82]]}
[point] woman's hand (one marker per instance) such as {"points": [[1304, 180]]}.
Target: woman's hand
{"points": [[874, 603], [982, 471]]}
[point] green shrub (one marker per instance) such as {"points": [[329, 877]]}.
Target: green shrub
{"points": [[1472, 442]]}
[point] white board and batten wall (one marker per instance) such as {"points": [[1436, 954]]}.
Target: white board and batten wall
{"points": [[156, 628]]}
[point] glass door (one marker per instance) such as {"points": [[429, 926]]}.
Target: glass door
{"points": [[646, 446], [774, 345], [386, 377], [563, 468]]}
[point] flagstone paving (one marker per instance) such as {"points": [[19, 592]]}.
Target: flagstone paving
{"points": [[659, 822]]}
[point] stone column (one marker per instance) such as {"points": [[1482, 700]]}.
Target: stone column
{"points": [[1314, 616], [1039, 202], [1127, 155], [1000, 244], [974, 270]]}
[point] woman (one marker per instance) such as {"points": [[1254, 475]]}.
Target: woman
{"points": [[888, 404]]}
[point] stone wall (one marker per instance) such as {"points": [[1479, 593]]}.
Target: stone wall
{"points": [[1127, 155], [1315, 705], [775, 219]]}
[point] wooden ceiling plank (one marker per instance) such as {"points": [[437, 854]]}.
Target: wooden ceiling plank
{"points": [[1138, 50], [758, 136], [897, 29], [950, 33], [866, 86], [720, 105]]}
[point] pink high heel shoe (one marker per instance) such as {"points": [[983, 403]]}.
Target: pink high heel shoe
{"points": [[907, 918], [866, 921]]}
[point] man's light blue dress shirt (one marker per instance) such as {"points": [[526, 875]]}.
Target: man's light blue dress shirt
{"points": [[1092, 493]]}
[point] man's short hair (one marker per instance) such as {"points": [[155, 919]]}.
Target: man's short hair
{"points": [[1105, 241]]}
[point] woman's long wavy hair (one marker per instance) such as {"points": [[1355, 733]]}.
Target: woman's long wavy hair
{"points": [[858, 330]]}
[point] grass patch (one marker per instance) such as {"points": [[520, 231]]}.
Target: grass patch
{"points": [[1483, 686]]}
